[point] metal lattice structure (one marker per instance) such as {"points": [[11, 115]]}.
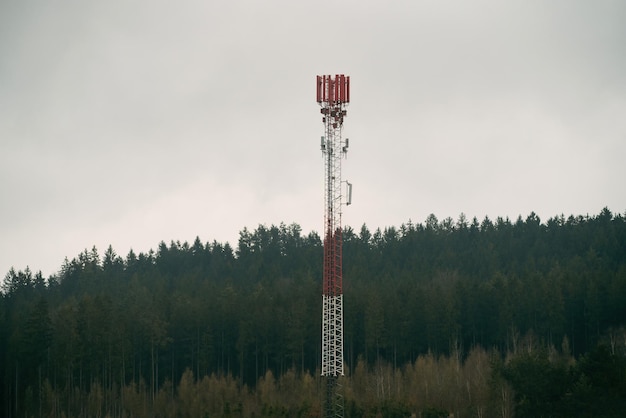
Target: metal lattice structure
{"points": [[333, 94]]}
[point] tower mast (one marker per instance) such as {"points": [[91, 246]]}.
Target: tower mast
{"points": [[333, 94]]}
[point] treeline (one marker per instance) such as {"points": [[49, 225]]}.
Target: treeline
{"points": [[208, 325]]}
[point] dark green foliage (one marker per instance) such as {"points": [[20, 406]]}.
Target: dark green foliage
{"points": [[595, 386], [440, 287], [394, 410], [540, 385], [434, 413], [600, 388], [352, 410]]}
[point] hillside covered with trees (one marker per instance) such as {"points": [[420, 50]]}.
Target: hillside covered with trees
{"points": [[491, 318]]}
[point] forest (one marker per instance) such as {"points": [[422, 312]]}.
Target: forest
{"points": [[463, 318]]}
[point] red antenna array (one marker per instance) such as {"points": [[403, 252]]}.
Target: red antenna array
{"points": [[333, 90]]}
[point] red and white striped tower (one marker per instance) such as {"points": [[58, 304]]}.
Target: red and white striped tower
{"points": [[333, 94]]}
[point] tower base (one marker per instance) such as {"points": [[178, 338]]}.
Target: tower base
{"points": [[333, 403]]}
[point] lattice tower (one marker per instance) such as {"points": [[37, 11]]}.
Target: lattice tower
{"points": [[333, 95]]}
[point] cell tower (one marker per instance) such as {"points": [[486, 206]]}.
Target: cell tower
{"points": [[333, 94]]}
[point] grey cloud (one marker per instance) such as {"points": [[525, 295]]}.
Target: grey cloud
{"points": [[131, 122]]}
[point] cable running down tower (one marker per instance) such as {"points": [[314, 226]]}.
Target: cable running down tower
{"points": [[333, 94]]}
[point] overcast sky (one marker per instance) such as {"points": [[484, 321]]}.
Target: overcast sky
{"points": [[133, 122]]}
